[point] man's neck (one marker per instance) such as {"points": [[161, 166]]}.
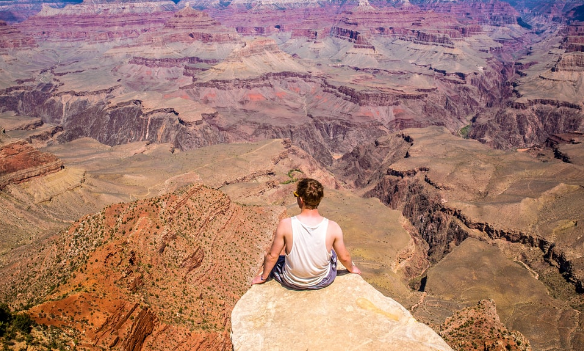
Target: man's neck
{"points": [[310, 213]]}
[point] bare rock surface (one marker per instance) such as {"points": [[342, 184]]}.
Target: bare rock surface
{"points": [[22, 162], [96, 175], [348, 314]]}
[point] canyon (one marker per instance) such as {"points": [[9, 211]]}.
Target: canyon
{"points": [[148, 150]]}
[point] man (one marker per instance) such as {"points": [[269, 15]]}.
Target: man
{"points": [[311, 242]]}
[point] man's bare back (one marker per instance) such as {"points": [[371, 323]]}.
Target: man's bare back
{"points": [[309, 216]]}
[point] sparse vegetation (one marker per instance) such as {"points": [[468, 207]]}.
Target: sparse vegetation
{"points": [[203, 241], [18, 331], [291, 175], [463, 132]]}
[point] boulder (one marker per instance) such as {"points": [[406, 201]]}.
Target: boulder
{"points": [[349, 314]]}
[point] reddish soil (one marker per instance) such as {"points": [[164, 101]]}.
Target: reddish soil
{"points": [[162, 273]]}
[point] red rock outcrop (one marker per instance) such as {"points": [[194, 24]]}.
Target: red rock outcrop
{"points": [[479, 328], [420, 26], [309, 21], [21, 162], [162, 273], [570, 62], [285, 93]]}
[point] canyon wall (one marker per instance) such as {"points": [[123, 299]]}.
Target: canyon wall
{"points": [[21, 162]]}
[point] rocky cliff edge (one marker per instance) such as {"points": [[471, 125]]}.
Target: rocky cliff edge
{"points": [[350, 314]]}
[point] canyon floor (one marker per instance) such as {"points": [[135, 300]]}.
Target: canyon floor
{"points": [[148, 151]]}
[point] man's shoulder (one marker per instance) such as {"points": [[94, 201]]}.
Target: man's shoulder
{"points": [[286, 220], [334, 227], [285, 224]]}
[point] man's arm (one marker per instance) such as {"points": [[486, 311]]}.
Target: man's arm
{"points": [[339, 246], [272, 255]]}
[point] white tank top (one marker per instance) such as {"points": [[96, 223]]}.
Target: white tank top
{"points": [[309, 261]]}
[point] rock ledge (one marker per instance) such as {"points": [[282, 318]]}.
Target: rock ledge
{"points": [[350, 314]]}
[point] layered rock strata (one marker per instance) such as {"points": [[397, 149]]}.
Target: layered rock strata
{"points": [[189, 25], [269, 88], [22, 162], [97, 22], [11, 37], [546, 99]]}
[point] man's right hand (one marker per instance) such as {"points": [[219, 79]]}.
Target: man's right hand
{"points": [[258, 280], [355, 269]]}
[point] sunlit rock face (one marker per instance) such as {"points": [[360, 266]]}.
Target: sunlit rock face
{"points": [[454, 197], [89, 22], [271, 317], [21, 162], [462, 332], [328, 82], [145, 97], [189, 25], [159, 273], [546, 99]]}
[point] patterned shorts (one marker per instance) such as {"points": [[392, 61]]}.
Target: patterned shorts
{"points": [[328, 280]]}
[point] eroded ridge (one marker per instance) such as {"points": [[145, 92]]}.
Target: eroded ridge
{"points": [[158, 273]]}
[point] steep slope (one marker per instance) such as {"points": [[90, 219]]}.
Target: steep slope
{"points": [[254, 59], [153, 274], [95, 175], [547, 95], [20, 163], [452, 190], [462, 332], [326, 81], [11, 37], [96, 23]]}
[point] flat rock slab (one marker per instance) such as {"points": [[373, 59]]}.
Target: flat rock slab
{"points": [[348, 315]]}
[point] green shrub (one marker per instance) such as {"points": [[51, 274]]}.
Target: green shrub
{"points": [[23, 322], [5, 314], [5, 318], [464, 131]]}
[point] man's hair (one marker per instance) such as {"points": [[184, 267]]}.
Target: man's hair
{"points": [[311, 192]]}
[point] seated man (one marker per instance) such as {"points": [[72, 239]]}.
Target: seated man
{"points": [[311, 242]]}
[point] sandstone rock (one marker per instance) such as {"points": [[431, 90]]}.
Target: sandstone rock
{"points": [[22, 162], [253, 59], [490, 198], [348, 314]]}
